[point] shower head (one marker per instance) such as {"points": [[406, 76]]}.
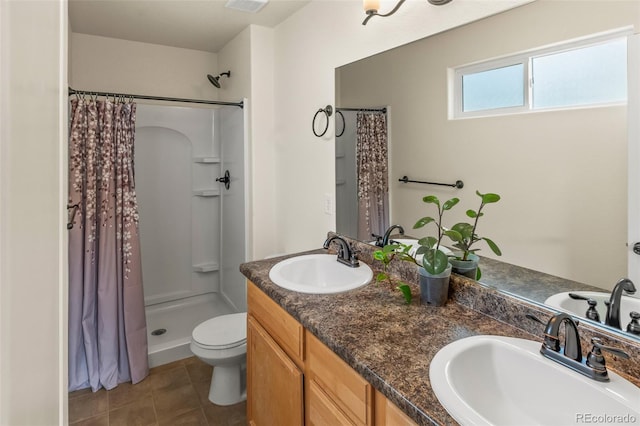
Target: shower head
{"points": [[216, 80]]}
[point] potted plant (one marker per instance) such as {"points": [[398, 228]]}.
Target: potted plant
{"points": [[434, 268], [464, 236]]}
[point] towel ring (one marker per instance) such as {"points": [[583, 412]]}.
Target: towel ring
{"points": [[328, 110], [344, 124]]}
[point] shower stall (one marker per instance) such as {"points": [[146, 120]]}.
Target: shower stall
{"points": [[191, 186]]}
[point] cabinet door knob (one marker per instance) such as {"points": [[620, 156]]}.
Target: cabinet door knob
{"points": [[636, 248]]}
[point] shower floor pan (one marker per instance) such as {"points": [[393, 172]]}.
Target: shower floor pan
{"points": [[178, 319]]}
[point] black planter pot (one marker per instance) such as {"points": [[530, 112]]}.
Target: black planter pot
{"points": [[467, 268], [434, 289]]}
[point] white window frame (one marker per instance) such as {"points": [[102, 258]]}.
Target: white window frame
{"points": [[456, 74]]}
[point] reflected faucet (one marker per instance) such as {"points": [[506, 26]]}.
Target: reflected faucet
{"points": [[346, 255], [387, 234], [613, 307]]}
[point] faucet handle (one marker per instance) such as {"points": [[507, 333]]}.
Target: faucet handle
{"points": [[597, 343], [592, 312], [353, 260], [596, 360], [634, 325], [535, 318]]}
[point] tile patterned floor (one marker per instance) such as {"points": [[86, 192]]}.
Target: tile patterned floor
{"points": [[173, 394]]}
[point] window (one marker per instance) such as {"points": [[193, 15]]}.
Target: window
{"points": [[577, 74], [492, 89]]}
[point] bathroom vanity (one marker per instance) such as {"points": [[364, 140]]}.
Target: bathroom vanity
{"points": [[293, 378], [362, 357]]}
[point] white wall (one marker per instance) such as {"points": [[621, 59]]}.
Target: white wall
{"points": [[108, 64], [561, 174], [308, 48], [33, 248], [264, 210]]}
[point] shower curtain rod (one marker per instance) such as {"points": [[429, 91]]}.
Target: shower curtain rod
{"points": [[382, 110], [156, 98]]}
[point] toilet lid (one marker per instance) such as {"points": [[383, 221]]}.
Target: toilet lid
{"points": [[223, 332]]}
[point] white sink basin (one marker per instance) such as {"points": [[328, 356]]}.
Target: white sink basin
{"points": [[563, 302], [492, 380], [319, 274]]}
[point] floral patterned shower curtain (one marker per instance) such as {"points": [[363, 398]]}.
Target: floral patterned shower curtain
{"points": [[373, 180], [107, 326]]}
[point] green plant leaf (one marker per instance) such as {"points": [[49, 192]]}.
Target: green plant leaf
{"points": [[381, 277], [454, 235], [489, 197], [422, 222], [405, 248], [426, 243], [406, 292], [390, 248], [448, 205], [379, 255], [464, 229], [435, 261], [478, 273], [472, 214], [432, 199], [494, 248]]}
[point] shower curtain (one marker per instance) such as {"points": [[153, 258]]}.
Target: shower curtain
{"points": [[107, 326], [373, 181]]}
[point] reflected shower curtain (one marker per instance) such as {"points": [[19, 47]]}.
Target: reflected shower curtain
{"points": [[107, 325], [372, 172]]}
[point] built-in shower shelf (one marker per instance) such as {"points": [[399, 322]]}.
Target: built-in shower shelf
{"points": [[206, 160], [206, 267], [206, 192]]}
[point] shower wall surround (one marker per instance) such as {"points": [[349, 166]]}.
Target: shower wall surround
{"points": [[177, 160]]}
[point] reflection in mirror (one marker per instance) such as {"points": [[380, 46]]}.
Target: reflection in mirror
{"points": [[362, 187], [561, 173]]}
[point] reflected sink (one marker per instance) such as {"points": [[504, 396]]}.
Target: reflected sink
{"points": [[414, 246], [319, 274], [493, 380], [563, 302]]}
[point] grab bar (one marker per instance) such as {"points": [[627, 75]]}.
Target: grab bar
{"points": [[459, 184]]}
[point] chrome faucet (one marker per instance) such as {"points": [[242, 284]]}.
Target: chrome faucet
{"points": [[570, 355], [345, 254], [613, 307], [387, 234]]}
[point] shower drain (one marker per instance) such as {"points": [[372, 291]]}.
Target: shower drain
{"points": [[159, 332]]}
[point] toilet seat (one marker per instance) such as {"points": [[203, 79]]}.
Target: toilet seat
{"points": [[222, 332]]}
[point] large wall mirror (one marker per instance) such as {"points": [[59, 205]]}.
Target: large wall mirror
{"points": [[562, 174]]}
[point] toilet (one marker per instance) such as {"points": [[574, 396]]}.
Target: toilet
{"points": [[222, 343]]}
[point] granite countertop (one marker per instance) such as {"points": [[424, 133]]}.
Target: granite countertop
{"points": [[389, 343], [523, 282]]}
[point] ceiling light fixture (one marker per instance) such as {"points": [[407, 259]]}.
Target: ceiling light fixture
{"points": [[251, 6], [371, 8]]}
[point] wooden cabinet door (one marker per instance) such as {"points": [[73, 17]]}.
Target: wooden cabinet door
{"points": [[274, 382], [321, 411], [341, 383], [387, 414]]}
